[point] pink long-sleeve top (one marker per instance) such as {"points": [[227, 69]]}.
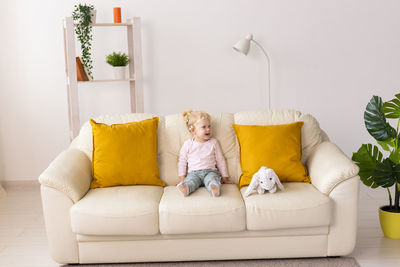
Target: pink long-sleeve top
{"points": [[201, 155]]}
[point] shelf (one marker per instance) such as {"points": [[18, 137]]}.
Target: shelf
{"points": [[133, 80], [110, 80], [108, 24]]}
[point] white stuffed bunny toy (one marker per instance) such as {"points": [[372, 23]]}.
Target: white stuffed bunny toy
{"points": [[264, 180]]}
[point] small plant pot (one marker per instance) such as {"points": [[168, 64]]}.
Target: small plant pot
{"points": [[120, 73], [390, 222]]}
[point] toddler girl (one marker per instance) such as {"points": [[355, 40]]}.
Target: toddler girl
{"points": [[200, 160]]}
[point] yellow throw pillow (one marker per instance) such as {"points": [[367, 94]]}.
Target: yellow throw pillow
{"points": [[275, 146], [125, 154]]}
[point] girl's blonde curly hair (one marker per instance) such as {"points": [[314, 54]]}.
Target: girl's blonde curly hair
{"points": [[192, 117]]}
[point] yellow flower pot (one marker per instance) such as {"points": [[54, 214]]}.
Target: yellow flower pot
{"points": [[390, 223]]}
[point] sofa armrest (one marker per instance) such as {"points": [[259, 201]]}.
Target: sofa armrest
{"points": [[70, 173], [328, 166]]}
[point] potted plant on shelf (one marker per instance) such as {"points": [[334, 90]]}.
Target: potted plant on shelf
{"points": [[375, 170], [84, 15], [119, 61]]}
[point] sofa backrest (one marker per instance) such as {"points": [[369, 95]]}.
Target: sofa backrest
{"points": [[172, 133]]}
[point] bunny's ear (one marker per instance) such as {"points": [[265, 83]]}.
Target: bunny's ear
{"points": [[255, 180], [277, 181], [263, 169]]}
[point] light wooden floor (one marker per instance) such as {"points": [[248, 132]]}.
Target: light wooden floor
{"points": [[23, 239]]}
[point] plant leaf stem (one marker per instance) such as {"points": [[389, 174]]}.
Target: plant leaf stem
{"points": [[396, 187], [390, 197]]}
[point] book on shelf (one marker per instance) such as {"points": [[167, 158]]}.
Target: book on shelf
{"points": [[80, 73], [88, 76]]}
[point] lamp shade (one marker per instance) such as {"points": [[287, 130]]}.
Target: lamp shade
{"points": [[243, 45]]}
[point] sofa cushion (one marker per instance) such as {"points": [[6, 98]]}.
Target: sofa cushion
{"points": [[275, 146], [299, 205], [125, 154], [200, 212], [120, 210]]}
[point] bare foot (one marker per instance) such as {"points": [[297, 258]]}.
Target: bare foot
{"points": [[183, 188], [215, 190]]}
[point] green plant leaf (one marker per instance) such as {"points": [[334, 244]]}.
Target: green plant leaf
{"points": [[367, 157], [392, 108], [395, 156], [387, 173], [375, 121], [117, 59], [386, 145]]}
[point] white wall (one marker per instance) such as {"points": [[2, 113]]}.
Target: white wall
{"points": [[327, 58]]}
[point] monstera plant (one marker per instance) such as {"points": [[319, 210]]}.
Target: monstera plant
{"points": [[375, 170]]}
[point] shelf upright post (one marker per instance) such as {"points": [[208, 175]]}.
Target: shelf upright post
{"points": [[135, 66], [72, 83]]}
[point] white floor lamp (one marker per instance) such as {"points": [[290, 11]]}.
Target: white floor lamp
{"points": [[243, 46]]}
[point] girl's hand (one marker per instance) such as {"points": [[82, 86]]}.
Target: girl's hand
{"points": [[181, 179], [225, 180]]}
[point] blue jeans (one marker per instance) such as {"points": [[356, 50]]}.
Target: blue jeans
{"points": [[195, 179]]}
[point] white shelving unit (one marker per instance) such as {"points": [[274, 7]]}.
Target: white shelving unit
{"points": [[135, 79]]}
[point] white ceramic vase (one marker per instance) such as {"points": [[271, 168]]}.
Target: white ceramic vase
{"points": [[120, 73]]}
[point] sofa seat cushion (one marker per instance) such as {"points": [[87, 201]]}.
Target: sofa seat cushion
{"points": [[120, 210], [299, 205], [200, 212]]}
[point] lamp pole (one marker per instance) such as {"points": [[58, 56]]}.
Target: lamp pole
{"points": [[243, 46], [268, 72]]}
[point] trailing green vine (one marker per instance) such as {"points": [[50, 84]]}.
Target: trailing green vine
{"points": [[82, 16]]}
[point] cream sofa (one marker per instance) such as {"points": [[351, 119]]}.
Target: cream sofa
{"points": [[150, 223]]}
